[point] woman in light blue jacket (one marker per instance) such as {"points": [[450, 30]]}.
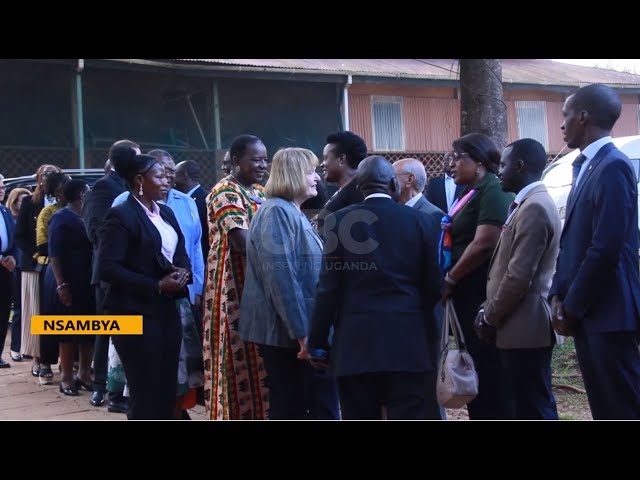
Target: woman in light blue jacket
{"points": [[284, 256]]}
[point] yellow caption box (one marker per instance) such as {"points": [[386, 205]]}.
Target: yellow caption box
{"points": [[86, 325]]}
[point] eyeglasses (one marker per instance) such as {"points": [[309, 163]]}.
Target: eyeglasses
{"points": [[455, 156]]}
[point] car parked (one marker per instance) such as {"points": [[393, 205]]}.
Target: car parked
{"points": [[89, 175], [557, 176]]}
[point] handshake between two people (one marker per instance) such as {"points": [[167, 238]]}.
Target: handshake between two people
{"points": [[317, 357]]}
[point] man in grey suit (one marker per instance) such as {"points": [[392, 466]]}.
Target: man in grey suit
{"points": [[516, 315], [412, 178]]}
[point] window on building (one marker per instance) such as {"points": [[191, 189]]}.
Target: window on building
{"points": [[388, 130], [532, 121]]}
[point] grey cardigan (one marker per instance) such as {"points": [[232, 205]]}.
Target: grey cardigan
{"points": [[284, 256]]}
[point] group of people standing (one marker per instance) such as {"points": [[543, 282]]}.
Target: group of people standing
{"points": [[275, 310]]}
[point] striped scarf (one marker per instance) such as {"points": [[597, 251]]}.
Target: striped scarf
{"points": [[446, 240]]}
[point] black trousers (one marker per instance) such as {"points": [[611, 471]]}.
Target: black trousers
{"points": [[100, 349], [150, 364], [403, 395], [610, 365], [529, 373], [296, 390], [49, 344], [493, 401], [6, 298], [16, 323]]}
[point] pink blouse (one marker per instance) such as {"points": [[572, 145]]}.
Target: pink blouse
{"points": [[166, 231]]}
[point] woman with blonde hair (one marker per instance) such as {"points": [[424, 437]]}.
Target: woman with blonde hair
{"points": [[284, 255], [14, 200]]}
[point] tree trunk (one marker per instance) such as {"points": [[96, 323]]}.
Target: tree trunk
{"points": [[482, 108]]}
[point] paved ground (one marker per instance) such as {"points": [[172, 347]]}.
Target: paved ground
{"points": [[23, 398]]}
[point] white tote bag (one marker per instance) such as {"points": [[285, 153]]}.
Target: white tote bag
{"points": [[457, 378]]}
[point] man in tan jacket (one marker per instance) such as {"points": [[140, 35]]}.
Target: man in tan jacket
{"points": [[516, 315]]}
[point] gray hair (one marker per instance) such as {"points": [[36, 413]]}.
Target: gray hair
{"points": [[416, 168]]}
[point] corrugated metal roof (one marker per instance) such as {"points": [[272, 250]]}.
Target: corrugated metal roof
{"points": [[527, 71]]}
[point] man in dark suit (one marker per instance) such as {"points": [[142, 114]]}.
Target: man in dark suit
{"points": [[7, 264], [595, 295], [342, 154], [442, 191], [96, 204], [188, 182], [379, 283]]}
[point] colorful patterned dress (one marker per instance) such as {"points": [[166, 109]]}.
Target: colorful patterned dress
{"points": [[234, 371]]}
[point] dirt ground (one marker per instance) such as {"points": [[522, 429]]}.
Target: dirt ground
{"points": [[567, 380], [567, 384]]}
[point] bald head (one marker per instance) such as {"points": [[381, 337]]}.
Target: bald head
{"points": [[376, 175], [411, 176], [187, 175]]}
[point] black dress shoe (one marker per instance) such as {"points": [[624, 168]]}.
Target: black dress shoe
{"points": [[72, 392], [97, 398], [86, 386], [118, 407], [4, 364]]}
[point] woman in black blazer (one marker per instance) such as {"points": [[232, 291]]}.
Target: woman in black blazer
{"points": [[142, 258], [33, 273]]}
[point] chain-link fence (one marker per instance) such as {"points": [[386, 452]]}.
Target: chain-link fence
{"points": [[433, 162], [209, 161], [18, 161]]}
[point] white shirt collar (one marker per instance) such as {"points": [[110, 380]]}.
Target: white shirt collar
{"points": [[523, 193], [378, 195], [591, 150], [155, 210], [413, 200]]}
